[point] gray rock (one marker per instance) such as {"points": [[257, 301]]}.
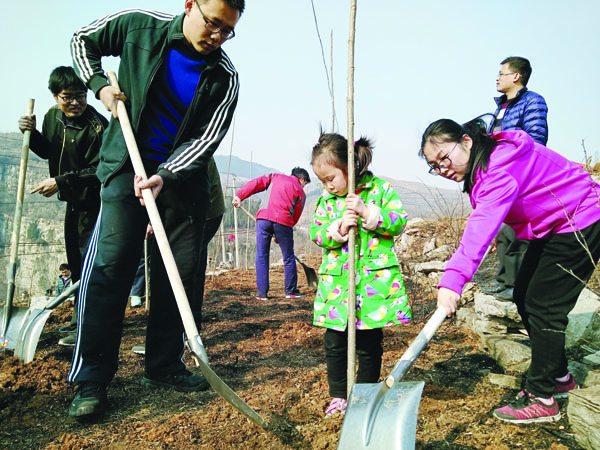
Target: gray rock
{"points": [[489, 305], [584, 321], [583, 411], [511, 355], [592, 360], [430, 266], [443, 251], [429, 246]]}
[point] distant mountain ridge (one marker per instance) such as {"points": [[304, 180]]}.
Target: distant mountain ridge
{"points": [[242, 168], [419, 199]]}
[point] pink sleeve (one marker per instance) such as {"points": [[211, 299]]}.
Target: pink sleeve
{"points": [[494, 196], [253, 186]]}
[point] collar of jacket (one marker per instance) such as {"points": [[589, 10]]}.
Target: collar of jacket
{"points": [[77, 123], [176, 37], [502, 99], [366, 182]]}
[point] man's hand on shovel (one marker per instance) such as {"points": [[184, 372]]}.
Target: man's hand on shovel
{"points": [[155, 183], [110, 96]]}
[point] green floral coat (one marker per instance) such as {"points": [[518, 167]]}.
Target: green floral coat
{"points": [[380, 296]]}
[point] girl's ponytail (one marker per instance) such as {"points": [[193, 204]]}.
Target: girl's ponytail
{"points": [[363, 155]]}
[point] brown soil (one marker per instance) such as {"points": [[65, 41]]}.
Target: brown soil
{"points": [[272, 356]]}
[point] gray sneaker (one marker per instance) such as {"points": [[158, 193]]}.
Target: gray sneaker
{"points": [[140, 349], [68, 341], [506, 295], [183, 381]]}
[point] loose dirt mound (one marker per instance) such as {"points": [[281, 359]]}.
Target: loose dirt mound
{"points": [[272, 356]]}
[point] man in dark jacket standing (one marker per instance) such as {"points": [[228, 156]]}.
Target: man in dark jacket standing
{"points": [[181, 91], [518, 109], [70, 140], [286, 202]]}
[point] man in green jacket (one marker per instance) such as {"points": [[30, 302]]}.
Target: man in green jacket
{"points": [[181, 91], [70, 140]]}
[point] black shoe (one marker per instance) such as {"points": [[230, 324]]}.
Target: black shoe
{"points": [[68, 328], [90, 399], [183, 381]]}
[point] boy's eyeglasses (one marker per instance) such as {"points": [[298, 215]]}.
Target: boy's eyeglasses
{"points": [[71, 98]]}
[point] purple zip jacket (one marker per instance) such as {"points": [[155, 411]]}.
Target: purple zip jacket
{"points": [[529, 187]]}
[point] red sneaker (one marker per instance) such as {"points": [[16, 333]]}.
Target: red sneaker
{"points": [[528, 409], [562, 388]]}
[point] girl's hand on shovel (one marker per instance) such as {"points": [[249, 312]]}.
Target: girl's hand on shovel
{"points": [[449, 300], [155, 183], [109, 96]]}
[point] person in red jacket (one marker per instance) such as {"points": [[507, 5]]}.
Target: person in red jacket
{"points": [[286, 203]]}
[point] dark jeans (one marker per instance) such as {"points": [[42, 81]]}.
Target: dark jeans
{"points": [[511, 252], [211, 226], [78, 229], [265, 229], [109, 267], [368, 352], [545, 293]]}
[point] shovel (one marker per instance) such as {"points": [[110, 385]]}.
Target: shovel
{"points": [[34, 322], [194, 341], [383, 415], [311, 274], [12, 318]]}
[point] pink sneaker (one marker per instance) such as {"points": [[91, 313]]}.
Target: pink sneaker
{"points": [[562, 388], [528, 409], [337, 404]]}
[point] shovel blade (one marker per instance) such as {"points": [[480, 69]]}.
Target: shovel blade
{"points": [[382, 418], [15, 323], [30, 333], [311, 275], [199, 354]]}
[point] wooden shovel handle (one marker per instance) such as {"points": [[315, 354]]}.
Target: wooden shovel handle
{"points": [[16, 229], [248, 213], [159, 231]]}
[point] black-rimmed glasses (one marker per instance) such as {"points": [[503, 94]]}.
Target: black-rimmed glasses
{"points": [[71, 98], [444, 164], [213, 27]]}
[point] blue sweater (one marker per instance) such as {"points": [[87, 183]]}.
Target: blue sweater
{"points": [[528, 112]]}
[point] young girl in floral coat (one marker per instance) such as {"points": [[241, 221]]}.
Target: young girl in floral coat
{"points": [[378, 215]]}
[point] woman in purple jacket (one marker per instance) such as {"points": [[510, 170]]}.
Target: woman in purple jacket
{"points": [[546, 199]]}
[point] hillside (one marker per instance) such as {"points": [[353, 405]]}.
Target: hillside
{"points": [[41, 248]]}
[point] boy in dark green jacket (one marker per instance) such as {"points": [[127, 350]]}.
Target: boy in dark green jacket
{"points": [[181, 91], [70, 140]]}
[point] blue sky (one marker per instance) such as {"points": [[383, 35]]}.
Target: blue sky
{"points": [[415, 62]]}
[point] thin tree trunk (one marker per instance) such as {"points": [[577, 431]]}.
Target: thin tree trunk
{"points": [[351, 183]]}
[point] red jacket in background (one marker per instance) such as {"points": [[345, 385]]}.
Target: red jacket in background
{"points": [[286, 200]]}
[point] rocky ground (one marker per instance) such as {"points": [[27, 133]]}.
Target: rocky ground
{"points": [[269, 353]]}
